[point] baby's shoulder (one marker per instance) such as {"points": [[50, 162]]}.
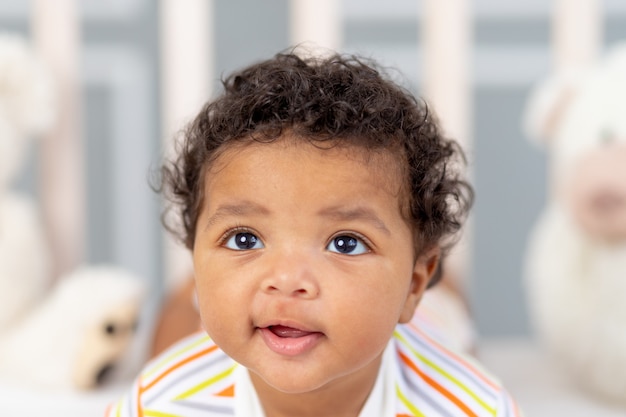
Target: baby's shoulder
{"points": [[192, 378], [192, 368], [438, 378], [191, 351]]}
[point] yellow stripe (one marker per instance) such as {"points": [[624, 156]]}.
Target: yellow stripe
{"points": [[118, 409], [154, 413], [445, 374], [156, 367], [408, 404], [206, 383]]}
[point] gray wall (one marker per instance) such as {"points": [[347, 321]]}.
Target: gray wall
{"points": [[119, 65], [122, 132]]}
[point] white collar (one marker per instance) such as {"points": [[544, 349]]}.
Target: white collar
{"points": [[247, 402], [380, 402]]}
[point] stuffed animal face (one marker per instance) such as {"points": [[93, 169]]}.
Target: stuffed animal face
{"points": [[105, 345], [582, 118], [596, 192]]}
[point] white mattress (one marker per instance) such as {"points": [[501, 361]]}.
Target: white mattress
{"points": [[541, 389], [18, 401]]}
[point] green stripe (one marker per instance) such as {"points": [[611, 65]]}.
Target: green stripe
{"points": [[206, 383], [445, 374], [412, 408]]}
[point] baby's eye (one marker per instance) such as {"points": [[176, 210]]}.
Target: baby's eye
{"points": [[347, 245], [244, 241]]}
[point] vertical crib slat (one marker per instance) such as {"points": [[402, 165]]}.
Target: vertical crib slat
{"points": [[576, 33], [56, 33], [187, 55], [446, 40], [315, 24]]}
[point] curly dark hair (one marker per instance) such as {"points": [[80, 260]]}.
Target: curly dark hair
{"points": [[345, 100]]}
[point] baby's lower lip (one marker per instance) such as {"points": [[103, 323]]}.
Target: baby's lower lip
{"points": [[289, 341]]}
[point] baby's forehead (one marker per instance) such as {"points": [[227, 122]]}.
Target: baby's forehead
{"points": [[281, 175], [350, 148], [388, 164]]}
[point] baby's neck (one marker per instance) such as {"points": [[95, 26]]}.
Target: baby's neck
{"points": [[344, 398]]}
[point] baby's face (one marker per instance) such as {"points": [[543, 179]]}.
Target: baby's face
{"points": [[304, 263]]}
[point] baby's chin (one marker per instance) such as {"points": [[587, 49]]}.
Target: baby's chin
{"points": [[291, 383], [301, 379]]}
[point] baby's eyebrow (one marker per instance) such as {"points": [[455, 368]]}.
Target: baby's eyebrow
{"points": [[357, 213], [242, 208]]}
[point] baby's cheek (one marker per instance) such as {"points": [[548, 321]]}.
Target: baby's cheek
{"points": [[375, 323], [210, 312]]}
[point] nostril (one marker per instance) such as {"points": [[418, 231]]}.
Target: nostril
{"points": [[295, 284]]}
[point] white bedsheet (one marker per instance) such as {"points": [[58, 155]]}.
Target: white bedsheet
{"points": [[539, 386], [19, 401]]}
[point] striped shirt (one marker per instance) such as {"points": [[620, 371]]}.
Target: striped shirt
{"points": [[195, 378]]}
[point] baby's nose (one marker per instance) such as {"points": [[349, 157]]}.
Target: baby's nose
{"points": [[292, 276]]}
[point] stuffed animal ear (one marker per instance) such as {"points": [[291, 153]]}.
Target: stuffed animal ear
{"points": [[547, 103], [27, 87]]}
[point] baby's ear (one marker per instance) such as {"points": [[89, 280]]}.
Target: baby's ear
{"points": [[432, 262], [425, 267], [547, 103]]}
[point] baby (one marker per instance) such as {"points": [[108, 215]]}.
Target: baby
{"points": [[318, 199]]}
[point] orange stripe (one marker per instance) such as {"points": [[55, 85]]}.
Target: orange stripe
{"points": [[437, 386], [108, 410], [515, 408], [228, 392], [178, 365], [468, 365], [139, 393]]}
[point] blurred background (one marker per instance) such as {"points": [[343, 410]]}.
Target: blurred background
{"points": [[140, 68]]}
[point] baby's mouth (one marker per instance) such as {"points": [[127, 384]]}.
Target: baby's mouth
{"points": [[285, 331], [289, 341]]}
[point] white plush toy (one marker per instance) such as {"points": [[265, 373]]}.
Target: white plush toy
{"points": [[79, 334], [26, 109], [68, 336], [576, 264]]}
